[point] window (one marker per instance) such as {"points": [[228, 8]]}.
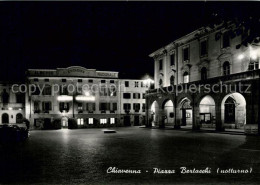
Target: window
{"points": [[64, 106], [63, 80], [185, 54], [90, 81], [64, 90], [5, 96], [90, 107], [142, 84], [80, 80], [103, 81], [127, 106], [186, 77], [160, 64], [104, 106], [127, 95], [103, 121], [203, 48], [103, 91], [143, 95], [172, 80], [136, 84], [253, 65], [46, 106], [203, 73], [136, 95], [19, 118], [226, 40], [36, 106], [112, 81], [46, 80], [80, 107], [126, 83], [80, 121], [36, 79], [47, 90], [172, 59], [226, 68], [136, 107], [20, 98], [90, 121], [143, 107], [112, 91], [113, 107], [160, 82], [112, 120], [35, 90]]}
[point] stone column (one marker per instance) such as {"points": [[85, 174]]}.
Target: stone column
{"points": [[219, 125]]}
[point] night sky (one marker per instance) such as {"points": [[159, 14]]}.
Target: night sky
{"points": [[116, 36]]}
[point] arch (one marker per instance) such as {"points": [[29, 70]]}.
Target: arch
{"points": [[233, 111], [5, 118], [154, 114], [207, 111], [19, 118], [168, 109], [226, 68], [185, 112], [203, 73]]}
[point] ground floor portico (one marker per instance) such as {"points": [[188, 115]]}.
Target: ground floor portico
{"points": [[236, 109]]}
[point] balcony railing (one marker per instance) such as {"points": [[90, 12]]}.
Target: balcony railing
{"points": [[248, 75]]}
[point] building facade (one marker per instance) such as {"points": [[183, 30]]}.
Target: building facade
{"points": [[207, 79], [92, 98], [12, 105]]}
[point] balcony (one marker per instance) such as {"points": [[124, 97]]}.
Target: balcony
{"points": [[248, 75]]}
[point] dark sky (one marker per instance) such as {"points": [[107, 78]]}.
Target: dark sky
{"points": [[115, 36]]}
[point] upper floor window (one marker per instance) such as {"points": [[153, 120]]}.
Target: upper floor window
{"points": [[112, 81], [64, 90], [203, 48], [186, 77], [203, 73], [63, 80], [172, 58], [226, 68], [80, 80], [136, 84], [160, 82], [36, 79], [172, 80], [103, 81], [64, 106], [254, 64], [126, 83], [136, 95], [47, 90], [127, 95], [127, 106], [186, 54], [136, 107], [160, 64], [225, 40], [20, 98], [90, 81], [5, 96], [46, 106]]}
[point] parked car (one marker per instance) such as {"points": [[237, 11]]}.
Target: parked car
{"points": [[13, 133]]}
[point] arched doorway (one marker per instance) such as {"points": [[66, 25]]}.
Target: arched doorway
{"points": [[207, 112], [5, 118], [19, 118], [64, 122], [186, 112], [168, 109], [233, 111], [154, 114]]}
